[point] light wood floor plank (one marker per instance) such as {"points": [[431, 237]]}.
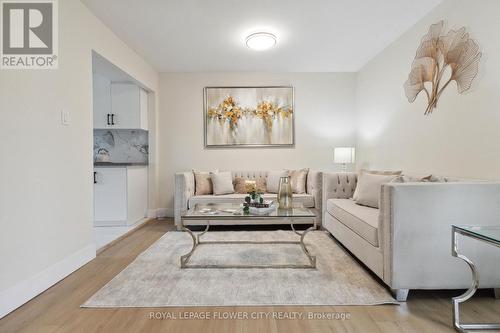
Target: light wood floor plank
{"points": [[57, 310]]}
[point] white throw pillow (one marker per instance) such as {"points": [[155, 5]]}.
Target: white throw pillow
{"points": [[368, 188], [273, 180], [222, 182]]}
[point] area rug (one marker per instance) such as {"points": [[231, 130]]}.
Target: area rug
{"points": [[155, 278]]}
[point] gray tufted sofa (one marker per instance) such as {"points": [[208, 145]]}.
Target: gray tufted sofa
{"points": [[407, 242], [185, 197]]}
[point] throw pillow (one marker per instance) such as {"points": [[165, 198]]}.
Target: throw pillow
{"points": [[421, 179], [241, 186], [222, 183], [373, 172], [369, 188], [261, 185], [381, 172], [298, 179], [412, 179], [203, 182], [273, 180]]}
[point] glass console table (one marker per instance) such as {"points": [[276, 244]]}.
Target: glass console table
{"points": [[487, 234]]}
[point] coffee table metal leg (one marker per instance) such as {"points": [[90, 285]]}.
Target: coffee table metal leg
{"points": [[185, 257], [468, 294], [203, 232], [293, 229], [312, 259]]}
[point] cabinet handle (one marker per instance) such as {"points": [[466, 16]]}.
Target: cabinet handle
{"points": [[113, 119], [108, 119], [95, 177]]}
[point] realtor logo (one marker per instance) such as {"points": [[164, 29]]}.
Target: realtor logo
{"points": [[29, 34]]}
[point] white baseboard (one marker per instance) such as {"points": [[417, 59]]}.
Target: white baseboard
{"points": [[152, 213], [165, 212], [22, 292]]}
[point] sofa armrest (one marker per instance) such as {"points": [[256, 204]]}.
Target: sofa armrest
{"points": [[415, 233], [315, 187], [184, 189]]}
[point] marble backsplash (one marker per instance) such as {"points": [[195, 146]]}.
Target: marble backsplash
{"points": [[121, 146]]}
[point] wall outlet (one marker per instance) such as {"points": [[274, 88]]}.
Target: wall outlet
{"points": [[65, 117]]}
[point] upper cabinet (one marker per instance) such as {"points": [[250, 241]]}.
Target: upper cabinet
{"points": [[129, 106], [102, 100], [119, 105]]}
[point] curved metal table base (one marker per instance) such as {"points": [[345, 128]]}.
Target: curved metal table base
{"points": [[197, 241], [461, 327]]}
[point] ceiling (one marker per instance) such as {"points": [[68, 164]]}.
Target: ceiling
{"points": [[313, 35]]}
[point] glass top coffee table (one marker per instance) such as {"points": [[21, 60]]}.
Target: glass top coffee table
{"points": [[232, 213], [487, 234]]}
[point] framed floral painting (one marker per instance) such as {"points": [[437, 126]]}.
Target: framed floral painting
{"points": [[249, 117]]}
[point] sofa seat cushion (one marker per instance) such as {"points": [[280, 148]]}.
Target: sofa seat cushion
{"points": [[306, 199], [360, 219]]}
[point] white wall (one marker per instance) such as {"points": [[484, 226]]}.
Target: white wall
{"points": [[324, 104], [462, 137], [46, 168]]}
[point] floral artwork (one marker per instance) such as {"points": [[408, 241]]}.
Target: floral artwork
{"points": [[249, 116], [440, 59]]}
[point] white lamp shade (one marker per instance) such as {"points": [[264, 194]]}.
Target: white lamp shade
{"points": [[344, 155]]}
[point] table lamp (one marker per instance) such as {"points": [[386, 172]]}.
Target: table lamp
{"points": [[344, 156]]}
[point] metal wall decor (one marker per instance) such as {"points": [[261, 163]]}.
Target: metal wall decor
{"points": [[440, 59]]}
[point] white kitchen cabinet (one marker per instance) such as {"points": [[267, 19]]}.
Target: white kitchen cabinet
{"points": [[120, 195], [119, 105], [101, 87], [129, 106]]}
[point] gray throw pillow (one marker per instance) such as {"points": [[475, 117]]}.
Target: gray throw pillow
{"points": [[373, 172], [368, 188]]}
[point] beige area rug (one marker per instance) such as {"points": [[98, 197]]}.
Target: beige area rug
{"points": [[155, 278]]}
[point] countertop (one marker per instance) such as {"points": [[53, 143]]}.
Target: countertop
{"points": [[111, 164]]}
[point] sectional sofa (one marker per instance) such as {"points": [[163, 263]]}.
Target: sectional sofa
{"points": [[407, 241]]}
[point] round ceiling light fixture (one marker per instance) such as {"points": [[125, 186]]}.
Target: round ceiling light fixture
{"points": [[260, 41]]}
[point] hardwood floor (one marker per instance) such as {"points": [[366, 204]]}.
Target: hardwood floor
{"points": [[57, 309]]}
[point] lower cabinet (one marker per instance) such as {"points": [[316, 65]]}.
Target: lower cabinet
{"points": [[120, 195]]}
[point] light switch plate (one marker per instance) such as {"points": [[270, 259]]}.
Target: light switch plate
{"points": [[65, 117]]}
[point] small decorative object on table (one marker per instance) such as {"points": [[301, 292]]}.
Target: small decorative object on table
{"points": [[255, 204], [285, 193]]}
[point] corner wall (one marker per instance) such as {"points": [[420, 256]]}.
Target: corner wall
{"points": [[46, 191], [462, 136]]}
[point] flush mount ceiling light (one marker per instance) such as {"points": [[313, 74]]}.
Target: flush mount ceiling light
{"points": [[260, 41]]}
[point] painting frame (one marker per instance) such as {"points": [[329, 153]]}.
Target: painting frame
{"points": [[247, 145]]}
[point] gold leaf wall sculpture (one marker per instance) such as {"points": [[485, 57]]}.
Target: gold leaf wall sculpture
{"points": [[440, 59]]}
